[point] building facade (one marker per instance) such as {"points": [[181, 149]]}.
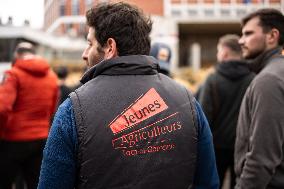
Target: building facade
{"points": [[190, 27], [66, 16]]}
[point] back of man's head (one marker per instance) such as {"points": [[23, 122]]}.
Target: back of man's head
{"points": [[62, 72], [24, 47], [229, 48], [232, 42], [126, 24], [268, 19]]}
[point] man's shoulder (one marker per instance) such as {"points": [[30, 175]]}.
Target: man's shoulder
{"points": [[12, 72], [275, 62], [65, 110], [274, 70], [211, 79], [269, 79]]}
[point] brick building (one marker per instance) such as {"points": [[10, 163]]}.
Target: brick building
{"points": [[67, 16], [190, 27]]}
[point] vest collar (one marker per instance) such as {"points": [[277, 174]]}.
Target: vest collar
{"points": [[123, 65]]}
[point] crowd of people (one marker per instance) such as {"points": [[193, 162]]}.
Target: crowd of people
{"points": [[130, 125]]}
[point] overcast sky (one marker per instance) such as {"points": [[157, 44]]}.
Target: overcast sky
{"points": [[20, 10]]}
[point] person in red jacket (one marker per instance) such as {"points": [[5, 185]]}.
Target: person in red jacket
{"points": [[28, 99]]}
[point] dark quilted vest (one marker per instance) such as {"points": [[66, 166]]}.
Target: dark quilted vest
{"points": [[136, 128]]}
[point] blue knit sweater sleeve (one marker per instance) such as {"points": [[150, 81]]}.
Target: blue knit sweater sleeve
{"points": [[206, 176], [58, 167]]}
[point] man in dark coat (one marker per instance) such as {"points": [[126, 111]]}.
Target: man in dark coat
{"points": [[221, 97]]}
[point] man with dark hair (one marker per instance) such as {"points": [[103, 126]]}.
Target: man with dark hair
{"points": [[128, 126], [221, 96], [259, 152], [28, 98]]}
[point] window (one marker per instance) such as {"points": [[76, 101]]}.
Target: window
{"points": [[75, 7], [62, 8]]}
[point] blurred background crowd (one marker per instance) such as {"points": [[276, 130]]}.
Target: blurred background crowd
{"points": [[190, 28]]}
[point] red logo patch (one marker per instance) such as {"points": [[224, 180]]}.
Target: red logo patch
{"points": [[145, 107]]}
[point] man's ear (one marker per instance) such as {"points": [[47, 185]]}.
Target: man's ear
{"points": [[273, 37], [110, 49]]}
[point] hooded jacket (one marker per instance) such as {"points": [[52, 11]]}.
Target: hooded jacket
{"points": [[259, 162], [221, 97], [28, 98]]}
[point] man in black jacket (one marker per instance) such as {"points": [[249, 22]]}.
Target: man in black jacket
{"points": [[128, 126], [220, 98]]}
